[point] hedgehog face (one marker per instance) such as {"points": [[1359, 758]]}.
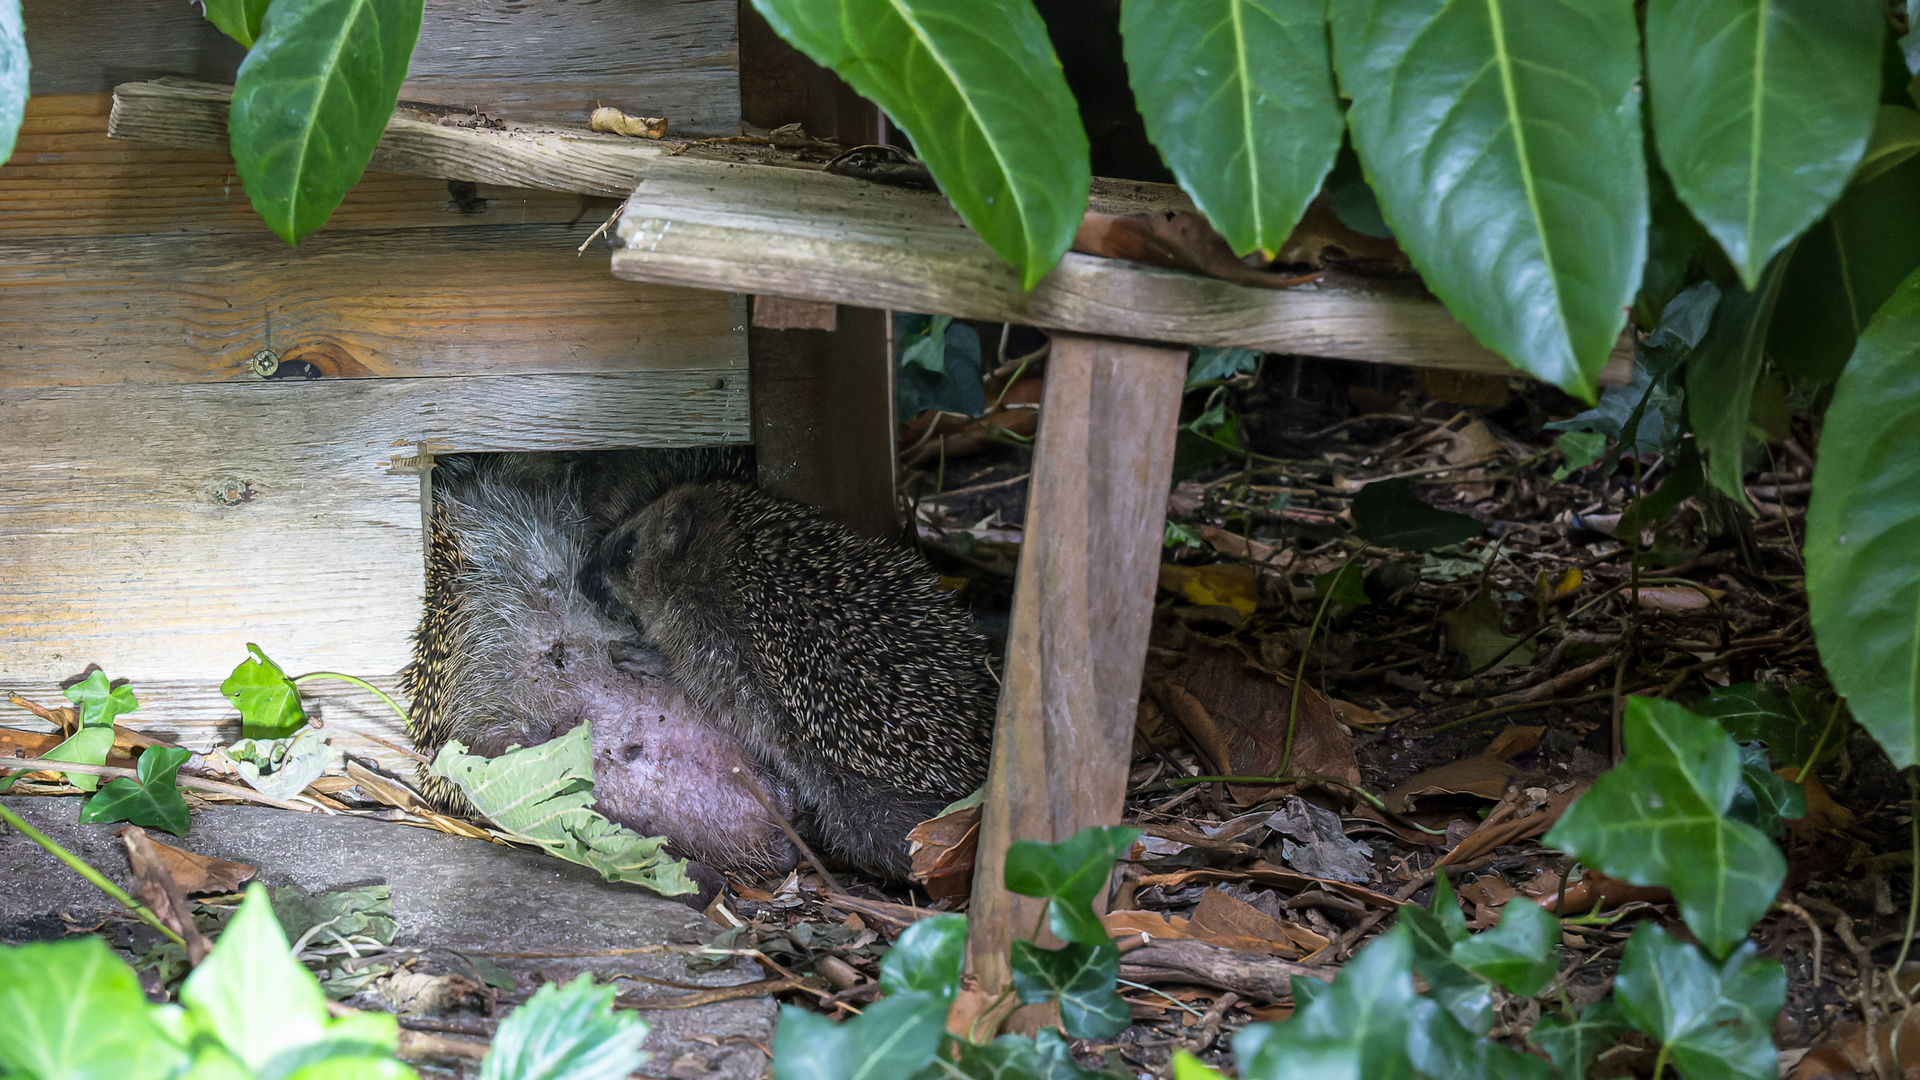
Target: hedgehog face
{"points": [[664, 556]]}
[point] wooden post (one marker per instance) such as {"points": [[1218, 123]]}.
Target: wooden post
{"points": [[1082, 606]]}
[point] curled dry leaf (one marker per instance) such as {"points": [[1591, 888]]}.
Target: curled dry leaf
{"points": [[611, 120], [943, 850], [1232, 923], [1177, 240], [1236, 715], [155, 887]]}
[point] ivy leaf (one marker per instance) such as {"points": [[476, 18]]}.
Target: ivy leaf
{"points": [[1387, 513], [1046, 1056], [1438, 1046], [99, 701], [1504, 142], [13, 75], [1863, 527], [977, 87], [1344, 587], [1659, 818], [927, 956], [1466, 998], [238, 19], [939, 366], [1716, 1024], [567, 1033], [1761, 110], [896, 1037], [1806, 728], [1081, 978], [1580, 449], [1355, 1027], [74, 1010], [1684, 481], [1213, 365], [281, 768], [268, 700], [1721, 376], [1764, 798], [88, 746], [1238, 98], [153, 803], [1521, 953], [311, 101], [1573, 1046], [1070, 874]]}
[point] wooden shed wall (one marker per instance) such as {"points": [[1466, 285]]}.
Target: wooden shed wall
{"points": [[160, 504]]}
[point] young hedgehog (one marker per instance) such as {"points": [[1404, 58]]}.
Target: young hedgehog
{"points": [[831, 656], [510, 653]]}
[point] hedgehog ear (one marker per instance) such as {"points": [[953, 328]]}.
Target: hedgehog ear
{"points": [[676, 530]]}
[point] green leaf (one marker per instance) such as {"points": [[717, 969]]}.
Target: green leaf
{"points": [[1521, 953], [365, 911], [1761, 110], [1716, 1024], [1863, 528], [543, 795], [1684, 480], [1344, 587], [1807, 728], [1504, 143], [1212, 366], [1238, 98], [1070, 874], [1580, 449], [1081, 978], [567, 1033], [238, 19], [1659, 818], [896, 1037], [99, 701], [1466, 997], [1477, 631], [939, 366], [977, 87], [268, 701], [1356, 1027], [153, 803], [929, 956], [252, 994], [281, 768], [1387, 513], [1676, 245], [1765, 799], [1438, 1046], [1046, 1056], [13, 76], [88, 746], [1843, 270], [1573, 1046], [311, 101], [1721, 376], [74, 1011], [1895, 138]]}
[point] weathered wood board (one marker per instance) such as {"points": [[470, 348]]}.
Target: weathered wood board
{"points": [[155, 530], [548, 61]]}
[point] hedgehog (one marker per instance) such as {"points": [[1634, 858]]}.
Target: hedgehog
{"points": [[834, 658], [509, 652]]}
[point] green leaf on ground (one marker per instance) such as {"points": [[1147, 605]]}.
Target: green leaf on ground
{"points": [[1573, 1046], [268, 701], [895, 1037], [1863, 527], [1387, 513], [238, 19], [543, 795], [1716, 1023], [99, 701], [1477, 631], [1355, 1027], [75, 1011], [281, 768], [1238, 98], [88, 746], [569, 1032], [1765, 799], [928, 956], [311, 101], [1344, 587], [1070, 874], [1521, 953], [154, 802], [977, 87], [1081, 978], [1807, 727], [1721, 376], [1761, 110], [1504, 143], [1212, 366], [1433, 933], [1659, 818], [365, 911], [1684, 480], [1580, 449], [13, 76]]}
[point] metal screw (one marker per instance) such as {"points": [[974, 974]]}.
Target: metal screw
{"points": [[264, 363]]}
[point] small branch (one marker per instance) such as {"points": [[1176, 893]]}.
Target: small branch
{"points": [[780, 819]]}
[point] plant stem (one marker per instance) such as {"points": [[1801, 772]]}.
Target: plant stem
{"points": [[1913, 897], [1306, 650], [1660, 1062], [361, 683], [79, 866]]}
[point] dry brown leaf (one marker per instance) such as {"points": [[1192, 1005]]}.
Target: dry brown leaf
{"points": [[1236, 715], [1154, 924], [1232, 923], [1596, 891], [1270, 874], [1823, 814], [1486, 893], [1496, 830], [612, 121], [1177, 240], [1234, 585], [1481, 776], [155, 887], [943, 852], [1677, 597], [201, 875]]}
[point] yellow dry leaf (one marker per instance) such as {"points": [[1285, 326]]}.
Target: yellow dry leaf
{"points": [[1234, 585]]}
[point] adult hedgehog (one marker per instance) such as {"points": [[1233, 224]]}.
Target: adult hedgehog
{"points": [[832, 657]]}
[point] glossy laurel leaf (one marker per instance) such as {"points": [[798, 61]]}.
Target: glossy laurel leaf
{"points": [[311, 101], [1238, 98], [238, 19], [976, 85], [1504, 143], [1761, 110], [1863, 528]]}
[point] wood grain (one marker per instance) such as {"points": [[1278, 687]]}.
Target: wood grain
{"points": [[816, 236], [486, 300], [1083, 601], [155, 530], [548, 61]]}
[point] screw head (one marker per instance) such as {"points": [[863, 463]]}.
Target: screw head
{"points": [[264, 363]]}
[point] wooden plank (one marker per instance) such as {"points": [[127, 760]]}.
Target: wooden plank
{"points": [[500, 299], [155, 530], [550, 62], [816, 236], [193, 114], [1083, 601], [67, 178]]}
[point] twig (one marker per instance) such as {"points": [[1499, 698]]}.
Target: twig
{"points": [[604, 226], [786, 826], [977, 488], [195, 783], [79, 866], [1813, 925]]}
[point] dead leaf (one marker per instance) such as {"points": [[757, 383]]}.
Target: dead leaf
{"points": [[1823, 814], [1514, 741], [201, 875], [410, 993], [1322, 239], [943, 852], [155, 887], [1486, 893], [1270, 874], [1526, 820], [1234, 585], [1153, 924], [1314, 842], [1678, 597], [1596, 891], [1477, 631], [1232, 923], [1177, 240], [1236, 716], [611, 120]]}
